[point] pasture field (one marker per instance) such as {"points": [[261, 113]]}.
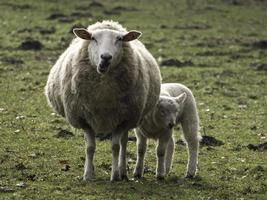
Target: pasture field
{"points": [[218, 48]]}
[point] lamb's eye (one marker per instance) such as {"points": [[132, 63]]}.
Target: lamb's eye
{"points": [[93, 38]]}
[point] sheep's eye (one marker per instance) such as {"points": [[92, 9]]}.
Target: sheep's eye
{"points": [[162, 112], [119, 38]]}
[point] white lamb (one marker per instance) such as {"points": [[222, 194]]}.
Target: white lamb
{"points": [[176, 105], [105, 82]]}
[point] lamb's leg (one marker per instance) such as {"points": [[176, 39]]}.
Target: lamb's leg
{"points": [[141, 150], [169, 155], [115, 175], [161, 152], [190, 130], [123, 156], [89, 173]]}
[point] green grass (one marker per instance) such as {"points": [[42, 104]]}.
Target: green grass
{"points": [[215, 35]]}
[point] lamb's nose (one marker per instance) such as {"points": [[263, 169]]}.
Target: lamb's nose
{"points": [[106, 56], [171, 125]]}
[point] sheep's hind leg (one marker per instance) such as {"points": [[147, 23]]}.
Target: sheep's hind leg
{"points": [[123, 156], [141, 150], [89, 173], [115, 172]]}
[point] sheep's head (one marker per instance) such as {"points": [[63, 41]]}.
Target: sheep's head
{"points": [[168, 109], [105, 47]]}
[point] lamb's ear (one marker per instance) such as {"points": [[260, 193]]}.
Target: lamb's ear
{"points": [[181, 98], [82, 33], [131, 35]]}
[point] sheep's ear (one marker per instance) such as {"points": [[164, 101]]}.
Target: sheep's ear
{"points": [[131, 35], [181, 98], [82, 33]]}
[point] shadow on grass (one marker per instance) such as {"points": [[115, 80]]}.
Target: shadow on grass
{"points": [[172, 188]]}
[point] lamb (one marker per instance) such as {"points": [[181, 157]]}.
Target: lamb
{"points": [[105, 82], [176, 105]]}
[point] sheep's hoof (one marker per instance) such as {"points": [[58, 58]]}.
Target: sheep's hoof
{"points": [[115, 179]]}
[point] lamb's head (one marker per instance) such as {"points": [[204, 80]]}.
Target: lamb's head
{"points": [[168, 109], [106, 46]]}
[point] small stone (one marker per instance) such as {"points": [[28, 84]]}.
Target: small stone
{"points": [[33, 155], [6, 189], [65, 168], [64, 134], [21, 184], [20, 117], [242, 106], [20, 166]]}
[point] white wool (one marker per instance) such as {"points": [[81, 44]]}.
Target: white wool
{"points": [[177, 110], [110, 103]]}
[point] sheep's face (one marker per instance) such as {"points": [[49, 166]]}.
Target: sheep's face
{"points": [[105, 47], [168, 109]]}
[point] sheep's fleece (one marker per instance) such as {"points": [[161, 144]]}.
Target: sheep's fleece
{"points": [[111, 102], [117, 100]]}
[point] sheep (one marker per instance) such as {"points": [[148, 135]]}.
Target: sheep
{"points": [[176, 105], [104, 82]]}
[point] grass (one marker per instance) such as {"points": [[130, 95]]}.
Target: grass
{"points": [[217, 36]]}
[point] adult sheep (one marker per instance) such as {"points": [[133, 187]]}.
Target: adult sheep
{"points": [[105, 82]]}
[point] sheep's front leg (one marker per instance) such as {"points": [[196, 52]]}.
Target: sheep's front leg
{"points": [[141, 150], [115, 175], [161, 150], [123, 156], [89, 172]]}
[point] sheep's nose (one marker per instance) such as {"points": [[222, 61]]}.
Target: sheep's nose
{"points": [[106, 56]]}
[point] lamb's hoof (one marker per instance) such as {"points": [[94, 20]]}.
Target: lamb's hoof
{"points": [[115, 177], [124, 177], [138, 176], [189, 176], [88, 178], [138, 173], [89, 174], [160, 178]]}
